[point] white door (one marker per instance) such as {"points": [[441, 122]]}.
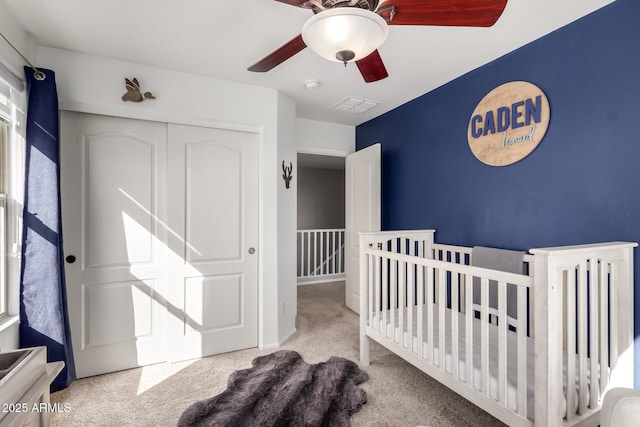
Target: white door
{"points": [[362, 211], [112, 183], [162, 269], [213, 189]]}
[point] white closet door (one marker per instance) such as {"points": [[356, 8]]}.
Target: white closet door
{"points": [[213, 241], [113, 193], [362, 213]]}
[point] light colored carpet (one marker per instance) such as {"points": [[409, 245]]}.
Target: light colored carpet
{"points": [[398, 394]]}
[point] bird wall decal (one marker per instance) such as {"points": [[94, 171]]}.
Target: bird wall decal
{"points": [[133, 91]]}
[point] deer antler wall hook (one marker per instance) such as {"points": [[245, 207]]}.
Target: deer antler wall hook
{"points": [[286, 173]]}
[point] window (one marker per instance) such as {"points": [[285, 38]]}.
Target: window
{"points": [[3, 221], [11, 195]]}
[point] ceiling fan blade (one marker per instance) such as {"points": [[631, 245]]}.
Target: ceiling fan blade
{"points": [[463, 13], [278, 56], [372, 68]]}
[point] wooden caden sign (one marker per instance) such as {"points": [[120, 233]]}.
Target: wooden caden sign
{"points": [[509, 123]]}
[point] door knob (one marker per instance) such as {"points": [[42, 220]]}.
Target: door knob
{"points": [[70, 259], [252, 251]]}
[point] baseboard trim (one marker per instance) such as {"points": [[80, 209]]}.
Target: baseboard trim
{"points": [[321, 280], [278, 344]]}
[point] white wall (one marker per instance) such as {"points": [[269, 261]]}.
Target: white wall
{"points": [[329, 139], [320, 198], [95, 84], [287, 280], [20, 39]]}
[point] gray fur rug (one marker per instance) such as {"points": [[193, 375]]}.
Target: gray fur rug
{"points": [[281, 389]]}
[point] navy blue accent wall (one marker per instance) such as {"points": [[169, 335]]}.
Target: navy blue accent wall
{"points": [[582, 183]]}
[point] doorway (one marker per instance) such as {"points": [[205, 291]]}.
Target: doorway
{"points": [[321, 218]]}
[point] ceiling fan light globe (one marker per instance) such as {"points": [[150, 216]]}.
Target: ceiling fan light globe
{"points": [[345, 29]]}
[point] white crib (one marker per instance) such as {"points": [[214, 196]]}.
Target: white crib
{"points": [[575, 320]]}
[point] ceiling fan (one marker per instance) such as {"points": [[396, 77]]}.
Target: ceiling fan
{"points": [[371, 18]]}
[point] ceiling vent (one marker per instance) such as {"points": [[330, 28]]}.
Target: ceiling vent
{"points": [[355, 105]]}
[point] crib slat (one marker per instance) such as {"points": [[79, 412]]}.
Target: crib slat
{"points": [[484, 335], [571, 343], [394, 297], [522, 355], [420, 319], [502, 342], [614, 308], [385, 295], [604, 329], [430, 285], [402, 302], [594, 351], [442, 305], [468, 338], [410, 303], [376, 290], [454, 324], [582, 338], [370, 274]]}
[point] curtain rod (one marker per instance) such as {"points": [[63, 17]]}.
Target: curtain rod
{"points": [[37, 74]]}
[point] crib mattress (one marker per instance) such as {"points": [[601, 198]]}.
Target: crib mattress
{"points": [[512, 366]]}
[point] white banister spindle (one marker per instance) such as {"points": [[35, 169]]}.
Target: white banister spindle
{"points": [[308, 253], [337, 260], [315, 251], [301, 255], [340, 252], [320, 255]]}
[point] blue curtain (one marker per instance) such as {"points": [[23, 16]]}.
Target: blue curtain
{"points": [[44, 317]]}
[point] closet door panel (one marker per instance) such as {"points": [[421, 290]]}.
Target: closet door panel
{"points": [[213, 282], [113, 183], [213, 221]]}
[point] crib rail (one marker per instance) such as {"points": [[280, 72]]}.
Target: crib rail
{"points": [[408, 293], [417, 300]]}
